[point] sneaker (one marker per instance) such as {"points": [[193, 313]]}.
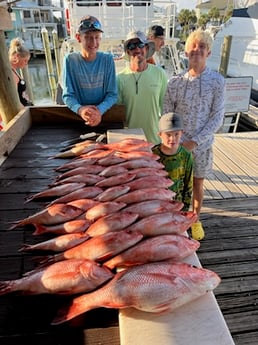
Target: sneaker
{"points": [[197, 231]]}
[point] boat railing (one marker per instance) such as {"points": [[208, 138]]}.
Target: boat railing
{"points": [[118, 17]]}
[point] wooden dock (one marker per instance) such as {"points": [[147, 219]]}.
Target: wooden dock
{"points": [[230, 247], [235, 168], [230, 219]]}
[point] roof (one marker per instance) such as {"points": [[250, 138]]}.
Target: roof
{"points": [[220, 4]]}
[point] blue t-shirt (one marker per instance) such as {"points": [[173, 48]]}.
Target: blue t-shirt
{"points": [[89, 82]]}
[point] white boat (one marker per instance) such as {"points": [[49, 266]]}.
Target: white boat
{"points": [[243, 60], [118, 18]]}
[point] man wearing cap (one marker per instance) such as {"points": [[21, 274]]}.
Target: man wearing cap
{"points": [[89, 79], [156, 34], [178, 161], [141, 86]]}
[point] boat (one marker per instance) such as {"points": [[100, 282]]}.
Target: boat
{"points": [[243, 60], [118, 18]]}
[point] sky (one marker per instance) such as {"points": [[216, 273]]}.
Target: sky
{"points": [[185, 4]]}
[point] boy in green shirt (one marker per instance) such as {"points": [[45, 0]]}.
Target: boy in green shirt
{"points": [[177, 160]]}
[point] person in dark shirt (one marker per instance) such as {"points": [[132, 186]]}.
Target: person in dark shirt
{"points": [[19, 57]]}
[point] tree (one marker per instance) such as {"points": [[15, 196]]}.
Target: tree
{"points": [[187, 20], [203, 20], [214, 15]]}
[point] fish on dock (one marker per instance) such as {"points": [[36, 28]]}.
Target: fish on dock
{"points": [[159, 287], [99, 248], [139, 163], [146, 194], [148, 182], [86, 192], [56, 191], [65, 277], [150, 207], [115, 180], [87, 179], [111, 193], [103, 209], [112, 222], [75, 163], [69, 227], [57, 244], [88, 169], [54, 214], [176, 222], [158, 248]]}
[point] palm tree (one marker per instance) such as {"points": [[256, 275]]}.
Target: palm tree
{"points": [[187, 20]]}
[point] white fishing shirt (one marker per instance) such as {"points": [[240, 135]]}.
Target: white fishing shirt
{"points": [[201, 102]]}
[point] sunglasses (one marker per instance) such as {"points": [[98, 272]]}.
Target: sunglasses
{"points": [[89, 24], [132, 46]]}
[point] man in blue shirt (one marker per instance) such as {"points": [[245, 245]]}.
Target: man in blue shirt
{"points": [[89, 79]]}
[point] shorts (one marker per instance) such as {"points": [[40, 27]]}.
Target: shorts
{"points": [[203, 159]]}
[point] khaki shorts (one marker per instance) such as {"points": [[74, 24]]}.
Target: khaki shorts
{"points": [[202, 162]]}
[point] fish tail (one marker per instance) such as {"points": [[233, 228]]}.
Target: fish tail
{"points": [[5, 287], [75, 308], [25, 247], [39, 229], [29, 198], [15, 225]]}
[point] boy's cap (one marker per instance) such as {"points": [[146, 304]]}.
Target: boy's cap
{"points": [[142, 38], [89, 23], [170, 122], [156, 30]]}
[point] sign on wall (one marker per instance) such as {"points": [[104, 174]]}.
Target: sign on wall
{"points": [[238, 93]]}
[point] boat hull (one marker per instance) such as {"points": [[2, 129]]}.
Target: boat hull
{"points": [[243, 60]]}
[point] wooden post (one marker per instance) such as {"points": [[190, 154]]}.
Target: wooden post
{"points": [[50, 69], [9, 100], [57, 53], [226, 47]]}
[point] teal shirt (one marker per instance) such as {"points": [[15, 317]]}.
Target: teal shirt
{"points": [[180, 169], [89, 82], [142, 94]]}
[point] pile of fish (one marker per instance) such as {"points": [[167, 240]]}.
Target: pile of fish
{"points": [[117, 236]]}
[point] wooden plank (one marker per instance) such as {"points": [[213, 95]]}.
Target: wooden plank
{"points": [[13, 132], [234, 174]]}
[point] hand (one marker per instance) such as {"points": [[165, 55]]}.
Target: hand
{"points": [[91, 115], [190, 145]]}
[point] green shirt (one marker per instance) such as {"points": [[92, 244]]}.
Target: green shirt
{"points": [[180, 169], [142, 94]]}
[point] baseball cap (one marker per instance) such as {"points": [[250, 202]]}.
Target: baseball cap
{"points": [[89, 23], [156, 30], [143, 39], [170, 122]]}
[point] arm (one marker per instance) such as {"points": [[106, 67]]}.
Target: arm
{"points": [[169, 101], [163, 90], [111, 93], [215, 118], [69, 89]]}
